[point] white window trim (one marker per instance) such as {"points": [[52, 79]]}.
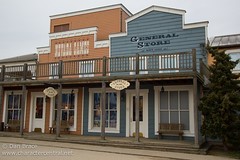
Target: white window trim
{"points": [[90, 111], [233, 51], [5, 105], [189, 88], [52, 107]]}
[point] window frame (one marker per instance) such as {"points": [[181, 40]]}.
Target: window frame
{"points": [[91, 128], [234, 51], [53, 109], [189, 88]]}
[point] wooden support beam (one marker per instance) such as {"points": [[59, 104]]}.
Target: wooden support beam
{"points": [[1, 103], [59, 102], [195, 98], [22, 109], [103, 104], [137, 87], [25, 67]]}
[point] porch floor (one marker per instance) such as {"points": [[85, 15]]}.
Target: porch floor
{"points": [[125, 142]]}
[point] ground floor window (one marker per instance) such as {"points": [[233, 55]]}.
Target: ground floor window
{"points": [[67, 108], [14, 106], [174, 107], [111, 110]]}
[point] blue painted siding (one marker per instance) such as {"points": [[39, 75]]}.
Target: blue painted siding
{"points": [[158, 23]]}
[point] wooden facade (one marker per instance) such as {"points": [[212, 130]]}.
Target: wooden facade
{"points": [[91, 54]]}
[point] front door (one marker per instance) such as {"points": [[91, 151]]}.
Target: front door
{"points": [[38, 117], [143, 115]]}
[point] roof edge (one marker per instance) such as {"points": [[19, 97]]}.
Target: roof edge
{"points": [[69, 14]]}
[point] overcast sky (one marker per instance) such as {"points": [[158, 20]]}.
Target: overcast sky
{"points": [[24, 24]]}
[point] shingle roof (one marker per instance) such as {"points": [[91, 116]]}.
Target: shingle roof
{"points": [[23, 58], [227, 40]]}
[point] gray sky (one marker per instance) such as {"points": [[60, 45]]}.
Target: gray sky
{"points": [[25, 24]]}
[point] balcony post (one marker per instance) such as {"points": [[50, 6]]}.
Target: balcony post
{"points": [[103, 100], [137, 89], [2, 73], [60, 69]]}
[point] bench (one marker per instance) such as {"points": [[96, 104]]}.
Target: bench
{"points": [[170, 128], [13, 125], [64, 127]]}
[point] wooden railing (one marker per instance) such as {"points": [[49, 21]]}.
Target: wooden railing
{"points": [[147, 64]]}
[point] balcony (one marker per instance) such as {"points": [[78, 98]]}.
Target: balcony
{"points": [[183, 64]]}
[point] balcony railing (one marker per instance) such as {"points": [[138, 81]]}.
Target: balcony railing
{"points": [[125, 65]]}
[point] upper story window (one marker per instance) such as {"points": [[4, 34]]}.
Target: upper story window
{"points": [[235, 55], [61, 28], [79, 47]]}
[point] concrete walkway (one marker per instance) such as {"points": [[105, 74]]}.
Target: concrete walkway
{"points": [[115, 152]]}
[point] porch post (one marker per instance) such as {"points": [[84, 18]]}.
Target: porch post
{"points": [[1, 92], [23, 99], [137, 86], [22, 109], [195, 98], [103, 99], [103, 104], [59, 102]]}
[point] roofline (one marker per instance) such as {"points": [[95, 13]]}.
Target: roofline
{"points": [[69, 14], [226, 35], [156, 8]]}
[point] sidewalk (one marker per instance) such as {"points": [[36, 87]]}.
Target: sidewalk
{"points": [[115, 150]]}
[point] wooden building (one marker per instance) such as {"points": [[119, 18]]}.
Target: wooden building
{"points": [[161, 58]]}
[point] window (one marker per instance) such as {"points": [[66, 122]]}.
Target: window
{"points": [[140, 108], [39, 108], [235, 56], [80, 47], [67, 107], [61, 28], [168, 63], [174, 107], [86, 68], [111, 110], [14, 106], [53, 71]]}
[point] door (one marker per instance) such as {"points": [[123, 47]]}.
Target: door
{"points": [[38, 118], [143, 115]]}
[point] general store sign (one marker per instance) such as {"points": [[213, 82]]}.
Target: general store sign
{"points": [[50, 92], [119, 84], [153, 40]]}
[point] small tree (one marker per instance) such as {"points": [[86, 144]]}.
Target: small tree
{"points": [[221, 104]]}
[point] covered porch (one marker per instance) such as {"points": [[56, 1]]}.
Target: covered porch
{"points": [[135, 69]]}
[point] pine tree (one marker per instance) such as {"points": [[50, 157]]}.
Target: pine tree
{"points": [[220, 106]]}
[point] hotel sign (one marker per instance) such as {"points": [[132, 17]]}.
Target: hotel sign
{"points": [[119, 84], [50, 92], [153, 40]]}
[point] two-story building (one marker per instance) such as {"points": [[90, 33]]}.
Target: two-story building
{"points": [[155, 61]]}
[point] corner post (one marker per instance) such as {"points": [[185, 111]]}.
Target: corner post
{"points": [[195, 98]]}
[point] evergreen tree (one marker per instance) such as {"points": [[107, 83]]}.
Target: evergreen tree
{"points": [[221, 104]]}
